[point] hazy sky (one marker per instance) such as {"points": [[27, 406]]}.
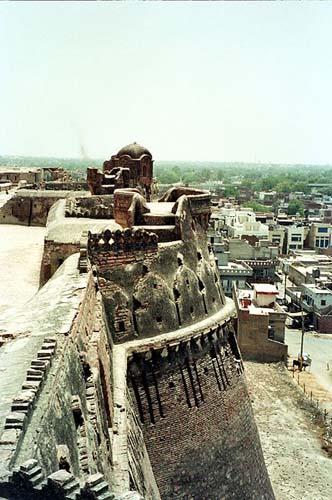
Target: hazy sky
{"points": [[190, 81]]}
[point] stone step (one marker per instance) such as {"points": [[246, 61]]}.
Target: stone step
{"points": [[100, 488], [29, 465], [72, 488], [40, 364], [32, 385], [94, 479], [33, 471], [37, 478], [50, 340], [107, 495], [46, 347], [67, 482], [15, 420], [21, 406], [14, 425], [47, 353]]}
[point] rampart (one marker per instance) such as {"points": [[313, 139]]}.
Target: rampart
{"points": [[135, 380], [29, 207]]}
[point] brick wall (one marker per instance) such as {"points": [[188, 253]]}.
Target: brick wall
{"points": [[53, 256], [252, 332], [324, 324], [198, 423]]}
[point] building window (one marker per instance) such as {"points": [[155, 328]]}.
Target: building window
{"points": [[322, 229], [292, 246], [296, 237], [323, 302]]}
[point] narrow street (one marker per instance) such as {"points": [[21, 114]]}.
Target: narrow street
{"points": [[319, 346]]}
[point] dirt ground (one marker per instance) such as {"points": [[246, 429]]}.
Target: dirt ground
{"points": [[291, 435], [21, 249]]}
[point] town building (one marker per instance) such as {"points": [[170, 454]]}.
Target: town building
{"points": [[15, 176], [294, 238], [319, 236], [260, 323]]}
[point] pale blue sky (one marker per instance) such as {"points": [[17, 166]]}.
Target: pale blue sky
{"points": [[190, 81]]}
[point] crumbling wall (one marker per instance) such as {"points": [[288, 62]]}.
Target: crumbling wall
{"points": [[66, 186], [63, 415], [96, 207], [54, 255], [150, 289], [29, 208]]}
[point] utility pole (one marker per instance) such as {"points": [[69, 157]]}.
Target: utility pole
{"points": [[302, 338]]}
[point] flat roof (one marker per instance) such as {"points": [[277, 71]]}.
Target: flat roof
{"points": [[316, 289], [265, 288]]}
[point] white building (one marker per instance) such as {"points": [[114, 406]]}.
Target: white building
{"points": [[316, 297], [320, 235], [243, 223], [294, 238]]}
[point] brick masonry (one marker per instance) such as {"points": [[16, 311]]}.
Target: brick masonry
{"points": [[198, 423]]}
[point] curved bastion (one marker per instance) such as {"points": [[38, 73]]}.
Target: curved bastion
{"points": [[126, 380]]}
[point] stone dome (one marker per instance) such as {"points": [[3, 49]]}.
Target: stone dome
{"points": [[134, 150]]}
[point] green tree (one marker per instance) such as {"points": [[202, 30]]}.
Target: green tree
{"points": [[294, 207], [257, 207]]}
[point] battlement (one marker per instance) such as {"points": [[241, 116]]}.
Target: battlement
{"points": [[117, 248], [96, 207], [28, 482]]}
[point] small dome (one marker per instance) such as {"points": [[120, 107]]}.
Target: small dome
{"points": [[134, 150]]}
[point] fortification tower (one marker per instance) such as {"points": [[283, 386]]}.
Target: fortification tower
{"points": [[135, 381], [131, 167]]}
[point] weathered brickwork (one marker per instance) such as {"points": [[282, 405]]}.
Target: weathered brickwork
{"points": [[130, 376], [66, 186], [97, 207], [53, 256], [197, 421], [30, 207], [119, 248]]}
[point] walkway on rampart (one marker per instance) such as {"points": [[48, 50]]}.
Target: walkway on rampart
{"points": [[49, 313], [21, 249]]}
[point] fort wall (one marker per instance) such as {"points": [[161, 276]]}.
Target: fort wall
{"points": [[195, 392], [30, 207]]}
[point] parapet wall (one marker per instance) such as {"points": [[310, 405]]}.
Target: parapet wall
{"points": [[30, 207], [96, 207], [66, 186]]}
